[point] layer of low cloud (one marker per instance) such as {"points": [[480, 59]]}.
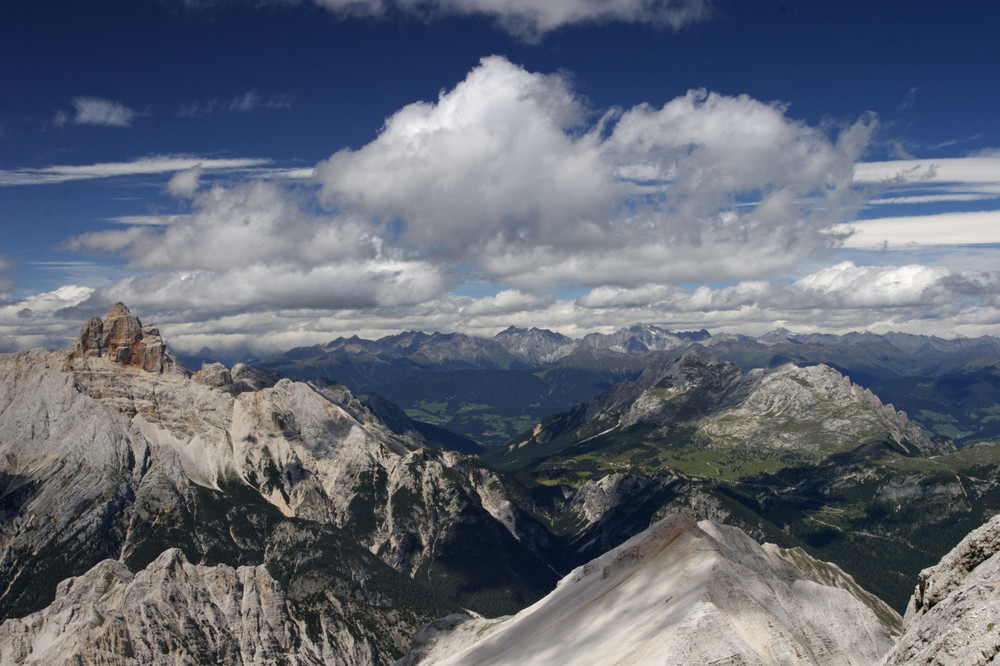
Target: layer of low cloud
{"points": [[840, 298], [43, 320]]}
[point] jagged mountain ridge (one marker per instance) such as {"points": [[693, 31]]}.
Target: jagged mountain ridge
{"points": [[952, 617], [871, 356], [172, 611], [111, 449], [680, 592]]}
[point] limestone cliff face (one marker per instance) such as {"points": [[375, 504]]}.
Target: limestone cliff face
{"points": [[69, 471], [679, 593], [314, 452], [171, 612], [954, 615]]}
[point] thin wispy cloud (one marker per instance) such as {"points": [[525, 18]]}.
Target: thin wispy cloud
{"points": [[974, 169], [953, 228], [96, 111], [248, 102], [144, 220], [157, 164], [530, 20], [953, 181]]}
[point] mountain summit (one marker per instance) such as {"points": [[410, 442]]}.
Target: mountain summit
{"points": [[122, 338]]}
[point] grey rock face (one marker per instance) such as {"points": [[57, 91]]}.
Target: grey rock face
{"points": [[954, 615], [535, 346], [171, 612], [679, 593], [696, 382], [69, 470], [809, 412]]}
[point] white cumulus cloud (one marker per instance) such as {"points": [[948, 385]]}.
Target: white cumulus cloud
{"points": [[510, 173], [43, 320]]}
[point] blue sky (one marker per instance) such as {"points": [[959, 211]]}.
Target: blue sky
{"points": [[272, 174]]}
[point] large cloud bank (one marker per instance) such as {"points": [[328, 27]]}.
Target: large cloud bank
{"points": [[509, 177], [511, 187]]}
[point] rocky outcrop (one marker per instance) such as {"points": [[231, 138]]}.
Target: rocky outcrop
{"points": [[954, 615], [642, 337], [679, 593], [693, 384], [122, 338]]}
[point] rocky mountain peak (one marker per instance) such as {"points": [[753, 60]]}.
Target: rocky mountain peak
{"points": [[123, 339], [777, 336], [535, 345]]}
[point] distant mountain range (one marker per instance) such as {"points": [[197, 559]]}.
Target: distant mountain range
{"points": [[490, 389], [866, 358]]}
